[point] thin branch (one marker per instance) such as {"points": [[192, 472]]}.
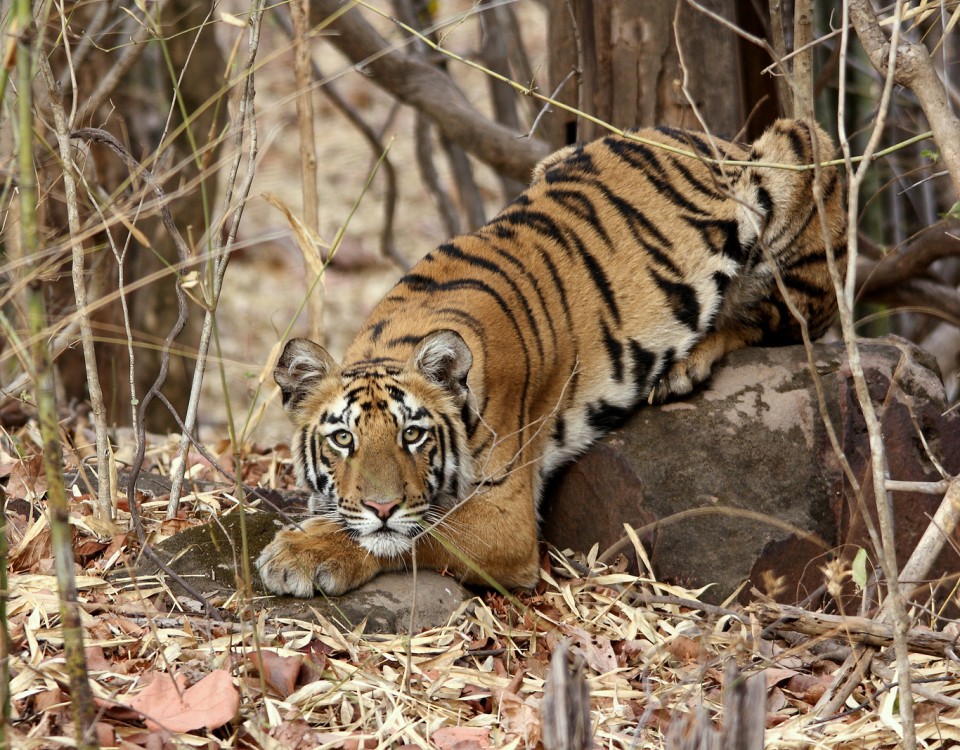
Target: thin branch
{"points": [[308, 153], [245, 122], [913, 68], [81, 696], [421, 85], [113, 77], [845, 298], [104, 499], [911, 259], [802, 67]]}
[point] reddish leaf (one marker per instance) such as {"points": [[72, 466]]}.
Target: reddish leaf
{"points": [[685, 649], [279, 672], [95, 659], [461, 738], [212, 702]]}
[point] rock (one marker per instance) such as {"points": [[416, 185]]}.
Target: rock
{"points": [[208, 558], [742, 475]]}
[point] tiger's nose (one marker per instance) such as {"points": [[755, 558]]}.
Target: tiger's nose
{"points": [[382, 509]]}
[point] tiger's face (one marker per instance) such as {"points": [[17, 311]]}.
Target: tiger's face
{"points": [[382, 448]]}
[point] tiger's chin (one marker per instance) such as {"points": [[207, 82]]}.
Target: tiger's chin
{"points": [[386, 543]]}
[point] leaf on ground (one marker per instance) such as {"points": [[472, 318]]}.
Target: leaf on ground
{"points": [[683, 648], [776, 675], [279, 672], [210, 703], [461, 738], [595, 649], [96, 661]]}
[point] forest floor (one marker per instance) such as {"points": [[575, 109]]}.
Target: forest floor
{"points": [[655, 659]]}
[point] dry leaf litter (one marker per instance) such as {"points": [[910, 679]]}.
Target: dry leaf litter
{"points": [[167, 677]]}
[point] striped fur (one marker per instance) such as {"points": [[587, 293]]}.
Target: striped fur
{"points": [[621, 275]]}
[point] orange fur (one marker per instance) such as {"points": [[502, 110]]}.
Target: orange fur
{"points": [[622, 274]]}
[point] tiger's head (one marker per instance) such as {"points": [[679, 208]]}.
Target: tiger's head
{"points": [[381, 445]]}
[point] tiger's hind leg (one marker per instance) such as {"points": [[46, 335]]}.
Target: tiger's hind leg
{"points": [[695, 369]]}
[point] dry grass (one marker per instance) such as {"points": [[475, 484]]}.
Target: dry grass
{"points": [[650, 654]]}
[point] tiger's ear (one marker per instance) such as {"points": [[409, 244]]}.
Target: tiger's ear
{"points": [[301, 366], [444, 358]]}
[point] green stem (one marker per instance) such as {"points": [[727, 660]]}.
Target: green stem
{"points": [[81, 696]]}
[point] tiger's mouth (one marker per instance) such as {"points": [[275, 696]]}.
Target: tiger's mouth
{"points": [[386, 542]]}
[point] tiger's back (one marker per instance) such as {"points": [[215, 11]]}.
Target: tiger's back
{"points": [[624, 272]]}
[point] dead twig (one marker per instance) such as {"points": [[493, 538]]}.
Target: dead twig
{"points": [[245, 122], [104, 498], [862, 630], [388, 245]]}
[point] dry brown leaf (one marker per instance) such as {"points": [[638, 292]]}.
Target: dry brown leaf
{"points": [[776, 675], [279, 672], [461, 738], [26, 479], [595, 649], [210, 703], [683, 648], [520, 718], [95, 659]]}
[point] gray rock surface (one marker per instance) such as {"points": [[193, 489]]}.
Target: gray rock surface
{"points": [[742, 475], [738, 482], [208, 557]]}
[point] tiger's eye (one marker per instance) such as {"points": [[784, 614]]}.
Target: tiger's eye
{"points": [[342, 438], [412, 435]]}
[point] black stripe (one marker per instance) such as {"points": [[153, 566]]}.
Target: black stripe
{"points": [[729, 231], [798, 143], [636, 221], [603, 416], [796, 284], [451, 437], [544, 224], [598, 275], [407, 340], [694, 182], [559, 431], [538, 221], [420, 283], [571, 168], [534, 282], [643, 158], [682, 298], [451, 250], [580, 206], [377, 330], [643, 361], [614, 351]]}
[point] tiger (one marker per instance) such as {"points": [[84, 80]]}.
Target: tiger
{"points": [[620, 276]]}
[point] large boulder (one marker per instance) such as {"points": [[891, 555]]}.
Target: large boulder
{"points": [[741, 482], [209, 558]]}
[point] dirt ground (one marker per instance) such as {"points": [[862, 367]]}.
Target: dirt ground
{"points": [[265, 286]]}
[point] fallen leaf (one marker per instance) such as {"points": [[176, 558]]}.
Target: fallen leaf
{"points": [[279, 672], [210, 703], [683, 648], [461, 738], [775, 675]]}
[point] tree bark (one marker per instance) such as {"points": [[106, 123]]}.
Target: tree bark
{"points": [[631, 74]]}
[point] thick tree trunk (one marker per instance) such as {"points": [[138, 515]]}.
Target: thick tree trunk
{"points": [[634, 53]]}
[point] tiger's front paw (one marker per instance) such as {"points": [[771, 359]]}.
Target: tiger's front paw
{"points": [[318, 558]]}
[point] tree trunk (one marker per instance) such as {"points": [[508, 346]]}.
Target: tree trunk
{"points": [[137, 114], [632, 69]]}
